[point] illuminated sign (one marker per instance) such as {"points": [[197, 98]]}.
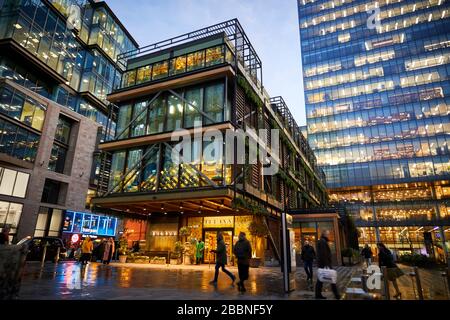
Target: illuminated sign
{"points": [[89, 224], [218, 222], [164, 233], [75, 238]]}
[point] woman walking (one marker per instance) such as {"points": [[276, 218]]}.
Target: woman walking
{"points": [[108, 251], [393, 271]]}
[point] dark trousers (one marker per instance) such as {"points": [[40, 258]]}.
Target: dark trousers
{"points": [[319, 286], [221, 265], [85, 258], [308, 265], [243, 269]]}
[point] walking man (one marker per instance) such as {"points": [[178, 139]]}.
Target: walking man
{"points": [[243, 253], [308, 255], [366, 252], [324, 261], [221, 260]]}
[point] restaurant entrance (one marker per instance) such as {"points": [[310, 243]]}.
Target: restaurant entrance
{"points": [[210, 236]]}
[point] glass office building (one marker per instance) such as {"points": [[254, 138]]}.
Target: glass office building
{"points": [[51, 72], [76, 67], [377, 104]]}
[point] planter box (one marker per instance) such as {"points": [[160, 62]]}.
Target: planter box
{"points": [[123, 259], [142, 260], [158, 261], [175, 261]]}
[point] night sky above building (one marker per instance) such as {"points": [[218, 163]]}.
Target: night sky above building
{"points": [[271, 26]]}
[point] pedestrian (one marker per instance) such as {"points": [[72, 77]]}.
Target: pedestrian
{"points": [[324, 261], [86, 250], [199, 249], [108, 252], [366, 252], [243, 253], [221, 260], [4, 235], [308, 255], [386, 259], [136, 247]]}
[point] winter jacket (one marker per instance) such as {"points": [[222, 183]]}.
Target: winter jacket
{"points": [[323, 253], [243, 251], [386, 259], [308, 253], [366, 253], [87, 246], [221, 252]]}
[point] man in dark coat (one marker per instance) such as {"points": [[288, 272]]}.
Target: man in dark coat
{"points": [[308, 255], [221, 260], [366, 252], [243, 253], [324, 261]]}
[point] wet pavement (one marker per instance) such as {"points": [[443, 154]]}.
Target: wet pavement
{"points": [[68, 280]]}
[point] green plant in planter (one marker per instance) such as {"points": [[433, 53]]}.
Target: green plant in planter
{"points": [[184, 231], [123, 246]]}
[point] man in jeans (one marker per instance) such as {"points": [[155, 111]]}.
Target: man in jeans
{"points": [[323, 261], [221, 260], [308, 255]]}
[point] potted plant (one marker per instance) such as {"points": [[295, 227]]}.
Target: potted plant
{"points": [[175, 258], [256, 228], [123, 250]]}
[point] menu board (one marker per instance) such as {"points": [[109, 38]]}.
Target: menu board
{"points": [[89, 224]]}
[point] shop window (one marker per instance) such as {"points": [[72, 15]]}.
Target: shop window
{"points": [[49, 222], [160, 70], [178, 65], [10, 213], [144, 74], [214, 56], [195, 60]]}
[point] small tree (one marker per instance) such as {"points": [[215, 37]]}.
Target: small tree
{"points": [[257, 228]]}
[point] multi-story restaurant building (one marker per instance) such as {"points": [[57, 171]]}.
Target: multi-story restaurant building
{"points": [[206, 79], [56, 69], [377, 97]]}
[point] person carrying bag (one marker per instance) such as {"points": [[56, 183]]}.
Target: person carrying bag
{"points": [[324, 273]]}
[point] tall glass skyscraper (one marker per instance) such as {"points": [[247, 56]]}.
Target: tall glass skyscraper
{"points": [[377, 92]]}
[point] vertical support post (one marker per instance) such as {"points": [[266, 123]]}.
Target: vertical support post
{"points": [[58, 251], [44, 253], [386, 283], [418, 283]]}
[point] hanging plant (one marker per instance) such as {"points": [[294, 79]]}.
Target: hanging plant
{"points": [[249, 93]]}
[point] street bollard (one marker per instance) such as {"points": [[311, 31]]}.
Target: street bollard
{"points": [[57, 254], [445, 278], [386, 283], [44, 253], [418, 283], [364, 278]]}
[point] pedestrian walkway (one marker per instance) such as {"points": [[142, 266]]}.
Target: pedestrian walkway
{"points": [[434, 285], [147, 281]]}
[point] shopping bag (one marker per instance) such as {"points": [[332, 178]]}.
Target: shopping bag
{"points": [[327, 275]]}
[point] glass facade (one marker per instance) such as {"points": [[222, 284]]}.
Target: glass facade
{"points": [[38, 28], [378, 115]]}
